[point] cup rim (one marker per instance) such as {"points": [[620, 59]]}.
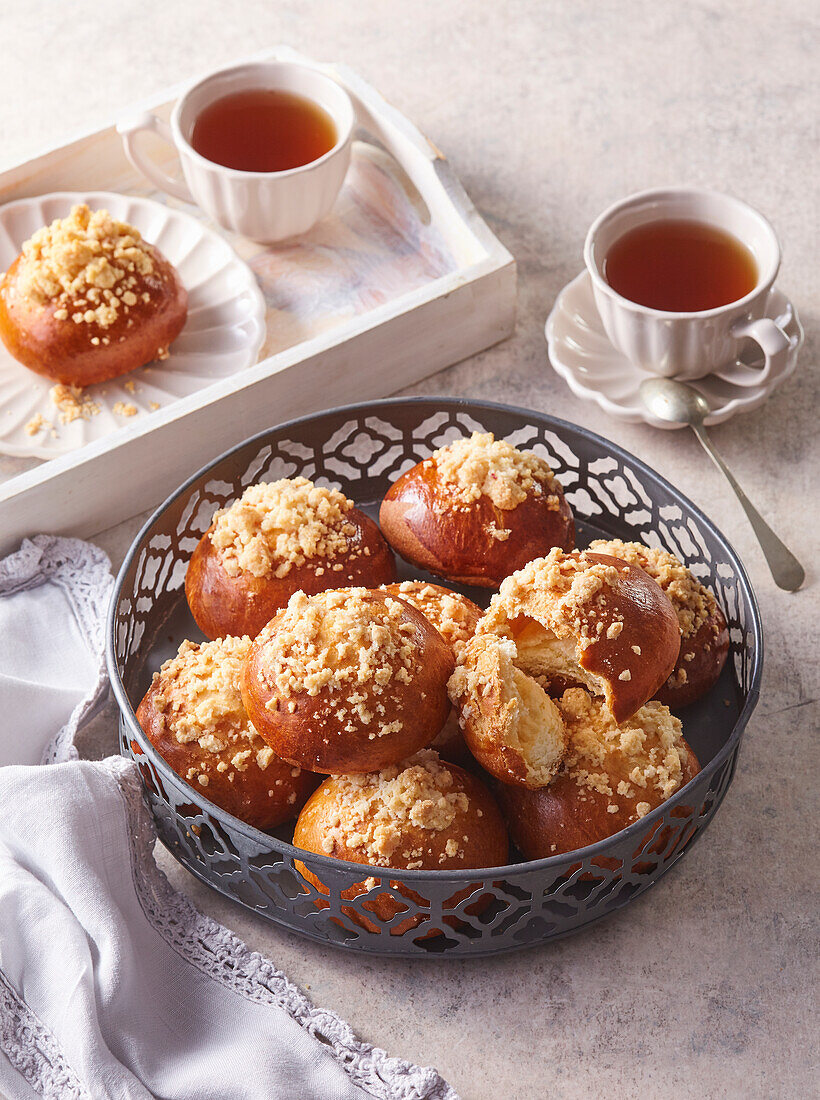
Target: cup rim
{"points": [[764, 281], [242, 173]]}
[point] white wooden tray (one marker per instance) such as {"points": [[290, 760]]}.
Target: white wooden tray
{"points": [[403, 279]]}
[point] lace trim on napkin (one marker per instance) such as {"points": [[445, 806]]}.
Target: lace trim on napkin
{"points": [[32, 1050], [83, 571], [217, 952]]}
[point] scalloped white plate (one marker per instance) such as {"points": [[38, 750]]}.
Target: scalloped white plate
{"points": [[580, 351], [223, 333]]}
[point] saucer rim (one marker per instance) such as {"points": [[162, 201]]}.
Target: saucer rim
{"points": [[748, 399]]}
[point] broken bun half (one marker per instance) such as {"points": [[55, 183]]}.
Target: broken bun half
{"points": [[612, 776], [510, 724], [590, 620], [703, 629]]}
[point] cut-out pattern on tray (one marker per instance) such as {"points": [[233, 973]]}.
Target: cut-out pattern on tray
{"points": [[362, 453]]}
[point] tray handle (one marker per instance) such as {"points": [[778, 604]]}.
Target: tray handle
{"points": [[412, 154]]}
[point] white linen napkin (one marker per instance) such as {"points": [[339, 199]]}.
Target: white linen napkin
{"points": [[111, 983]]}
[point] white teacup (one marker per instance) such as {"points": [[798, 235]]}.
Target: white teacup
{"points": [[265, 206], [689, 345]]}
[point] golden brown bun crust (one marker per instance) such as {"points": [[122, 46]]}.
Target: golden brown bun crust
{"points": [[222, 604], [698, 668], [457, 544], [313, 735], [704, 633], [62, 350], [564, 816], [486, 845], [650, 621], [262, 798]]}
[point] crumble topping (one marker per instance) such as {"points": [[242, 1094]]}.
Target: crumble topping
{"points": [[344, 640], [36, 424], [643, 754], [199, 692], [264, 757], [473, 675], [693, 602], [123, 408], [566, 593], [375, 811], [241, 760], [453, 615], [277, 525], [87, 265], [72, 403], [485, 466], [488, 663]]}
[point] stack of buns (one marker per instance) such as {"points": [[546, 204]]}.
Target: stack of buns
{"points": [[405, 726]]}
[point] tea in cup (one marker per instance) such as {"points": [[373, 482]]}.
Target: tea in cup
{"points": [[264, 147], [681, 279]]}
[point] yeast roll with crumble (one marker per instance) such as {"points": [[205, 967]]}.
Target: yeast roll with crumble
{"points": [[477, 510], [194, 716], [278, 538], [348, 680]]}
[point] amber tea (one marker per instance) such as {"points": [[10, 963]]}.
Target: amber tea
{"points": [[263, 130], [680, 266]]}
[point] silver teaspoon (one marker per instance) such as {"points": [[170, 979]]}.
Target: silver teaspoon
{"points": [[678, 403]]}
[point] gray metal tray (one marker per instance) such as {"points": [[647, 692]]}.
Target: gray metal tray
{"points": [[361, 449]]}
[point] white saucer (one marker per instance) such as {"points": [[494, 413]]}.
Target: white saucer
{"points": [[223, 333], [580, 351]]}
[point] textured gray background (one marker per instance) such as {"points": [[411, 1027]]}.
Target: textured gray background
{"points": [[549, 111]]}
